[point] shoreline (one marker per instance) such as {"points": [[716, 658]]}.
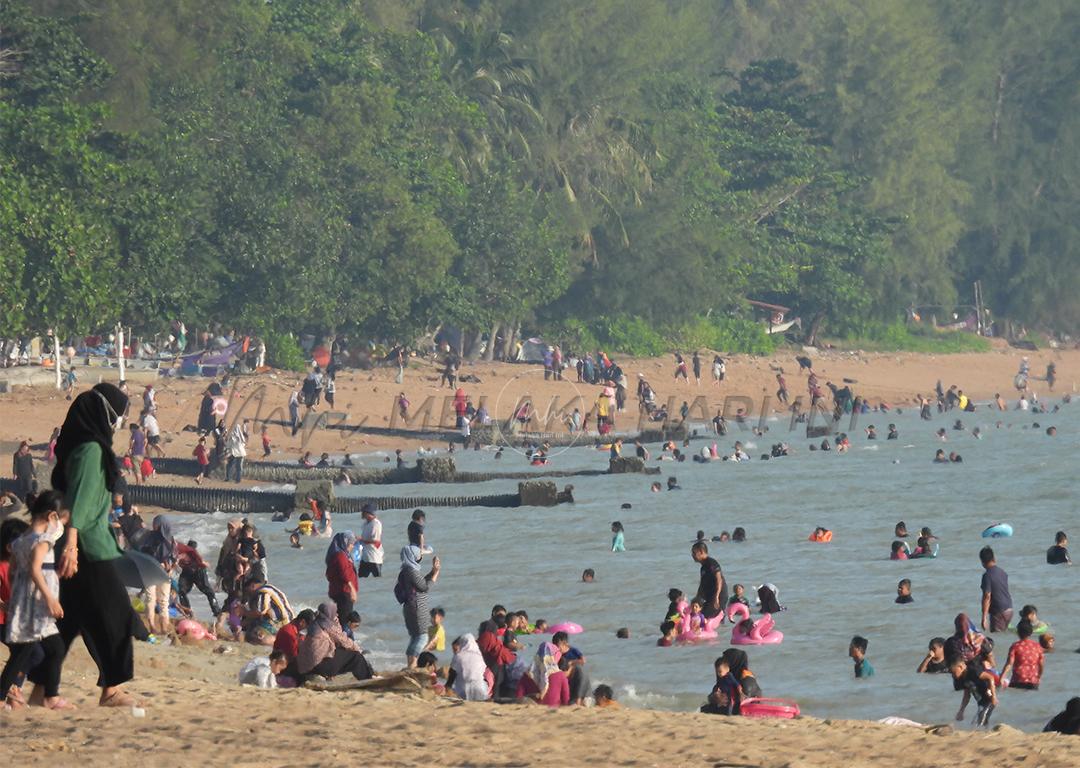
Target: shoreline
{"points": [[195, 711]]}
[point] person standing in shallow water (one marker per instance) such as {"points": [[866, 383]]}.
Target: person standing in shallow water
{"points": [[94, 599], [997, 607], [712, 589]]}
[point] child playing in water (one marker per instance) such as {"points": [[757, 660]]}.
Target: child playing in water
{"points": [[306, 527], [1031, 614], [541, 627], [694, 621], [739, 596], [34, 606], [903, 592], [676, 600], [669, 630], [899, 551], [857, 651], [934, 662], [617, 543]]}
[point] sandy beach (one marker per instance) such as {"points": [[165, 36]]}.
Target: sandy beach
{"points": [[196, 714], [366, 398]]}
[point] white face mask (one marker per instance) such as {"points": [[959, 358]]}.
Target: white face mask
{"points": [[54, 531]]}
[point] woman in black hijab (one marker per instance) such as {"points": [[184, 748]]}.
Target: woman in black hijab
{"points": [[1067, 721], [767, 597], [739, 664], [94, 599]]}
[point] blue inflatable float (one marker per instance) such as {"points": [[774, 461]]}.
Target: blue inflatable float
{"points": [[998, 531]]}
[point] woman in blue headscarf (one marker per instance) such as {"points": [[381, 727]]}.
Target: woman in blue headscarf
{"points": [[411, 590], [341, 574]]}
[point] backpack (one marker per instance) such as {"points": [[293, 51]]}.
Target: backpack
{"points": [[403, 592]]}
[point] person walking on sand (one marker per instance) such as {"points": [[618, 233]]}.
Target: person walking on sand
{"points": [[236, 449], [94, 600], [22, 466]]}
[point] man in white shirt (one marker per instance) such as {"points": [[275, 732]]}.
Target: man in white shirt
{"points": [[371, 553], [262, 672], [153, 432]]}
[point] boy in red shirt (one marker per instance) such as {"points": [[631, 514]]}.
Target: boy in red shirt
{"points": [[1025, 659]]}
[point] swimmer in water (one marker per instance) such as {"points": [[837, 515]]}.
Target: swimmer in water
{"points": [[934, 661], [656, 487], [738, 595], [956, 458], [871, 433], [738, 535], [941, 434], [900, 531], [669, 631], [940, 457], [588, 575], [673, 484], [899, 551], [903, 592], [675, 599], [893, 433]]}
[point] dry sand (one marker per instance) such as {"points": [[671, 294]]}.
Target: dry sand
{"points": [[367, 397], [196, 714]]}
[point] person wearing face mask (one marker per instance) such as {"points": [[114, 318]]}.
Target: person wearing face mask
{"points": [[94, 600], [35, 606]]}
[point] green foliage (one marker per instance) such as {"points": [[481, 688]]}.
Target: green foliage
{"points": [[900, 337], [625, 173], [283, 351]]}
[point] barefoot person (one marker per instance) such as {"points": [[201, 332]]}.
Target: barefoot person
{"points": [[94, 600], [35, 607], [411, 591]]}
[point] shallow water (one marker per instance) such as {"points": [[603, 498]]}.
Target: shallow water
{"points": [[533, 559]]}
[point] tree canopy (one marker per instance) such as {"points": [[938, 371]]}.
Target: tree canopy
{"points": [[387, 167]]}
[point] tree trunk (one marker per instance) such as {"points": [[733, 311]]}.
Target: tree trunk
{"points": [[489, 353], [475, 338], [815, 329], [511, 341]]}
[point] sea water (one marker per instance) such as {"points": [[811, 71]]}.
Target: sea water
{"points": [[532, 559]]}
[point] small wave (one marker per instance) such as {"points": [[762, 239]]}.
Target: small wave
{"points": [[273, 488], [648, 699]]}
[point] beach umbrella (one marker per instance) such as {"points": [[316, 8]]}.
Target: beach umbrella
{"points": [[139, 571]]}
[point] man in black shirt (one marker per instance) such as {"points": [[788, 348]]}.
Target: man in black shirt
{"points": [[712, 589], [1059, 554]]}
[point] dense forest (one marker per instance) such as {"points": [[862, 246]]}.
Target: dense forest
{"points": [[615, 170]]}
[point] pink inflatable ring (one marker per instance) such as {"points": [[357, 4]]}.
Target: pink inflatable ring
{"points": [[762, 633]]}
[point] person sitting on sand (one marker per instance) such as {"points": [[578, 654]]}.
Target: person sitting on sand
{"points": [[268, 610], [469, 678], [287, 639], [934, 661], [978, 682], [326, 651], [572, 662], [726, 695], [544, 681], [1059, 553], [262, 671], [604, 697], [1067, 721]]}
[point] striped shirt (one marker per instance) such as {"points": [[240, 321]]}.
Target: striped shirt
{"points": [[272, 603]]}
